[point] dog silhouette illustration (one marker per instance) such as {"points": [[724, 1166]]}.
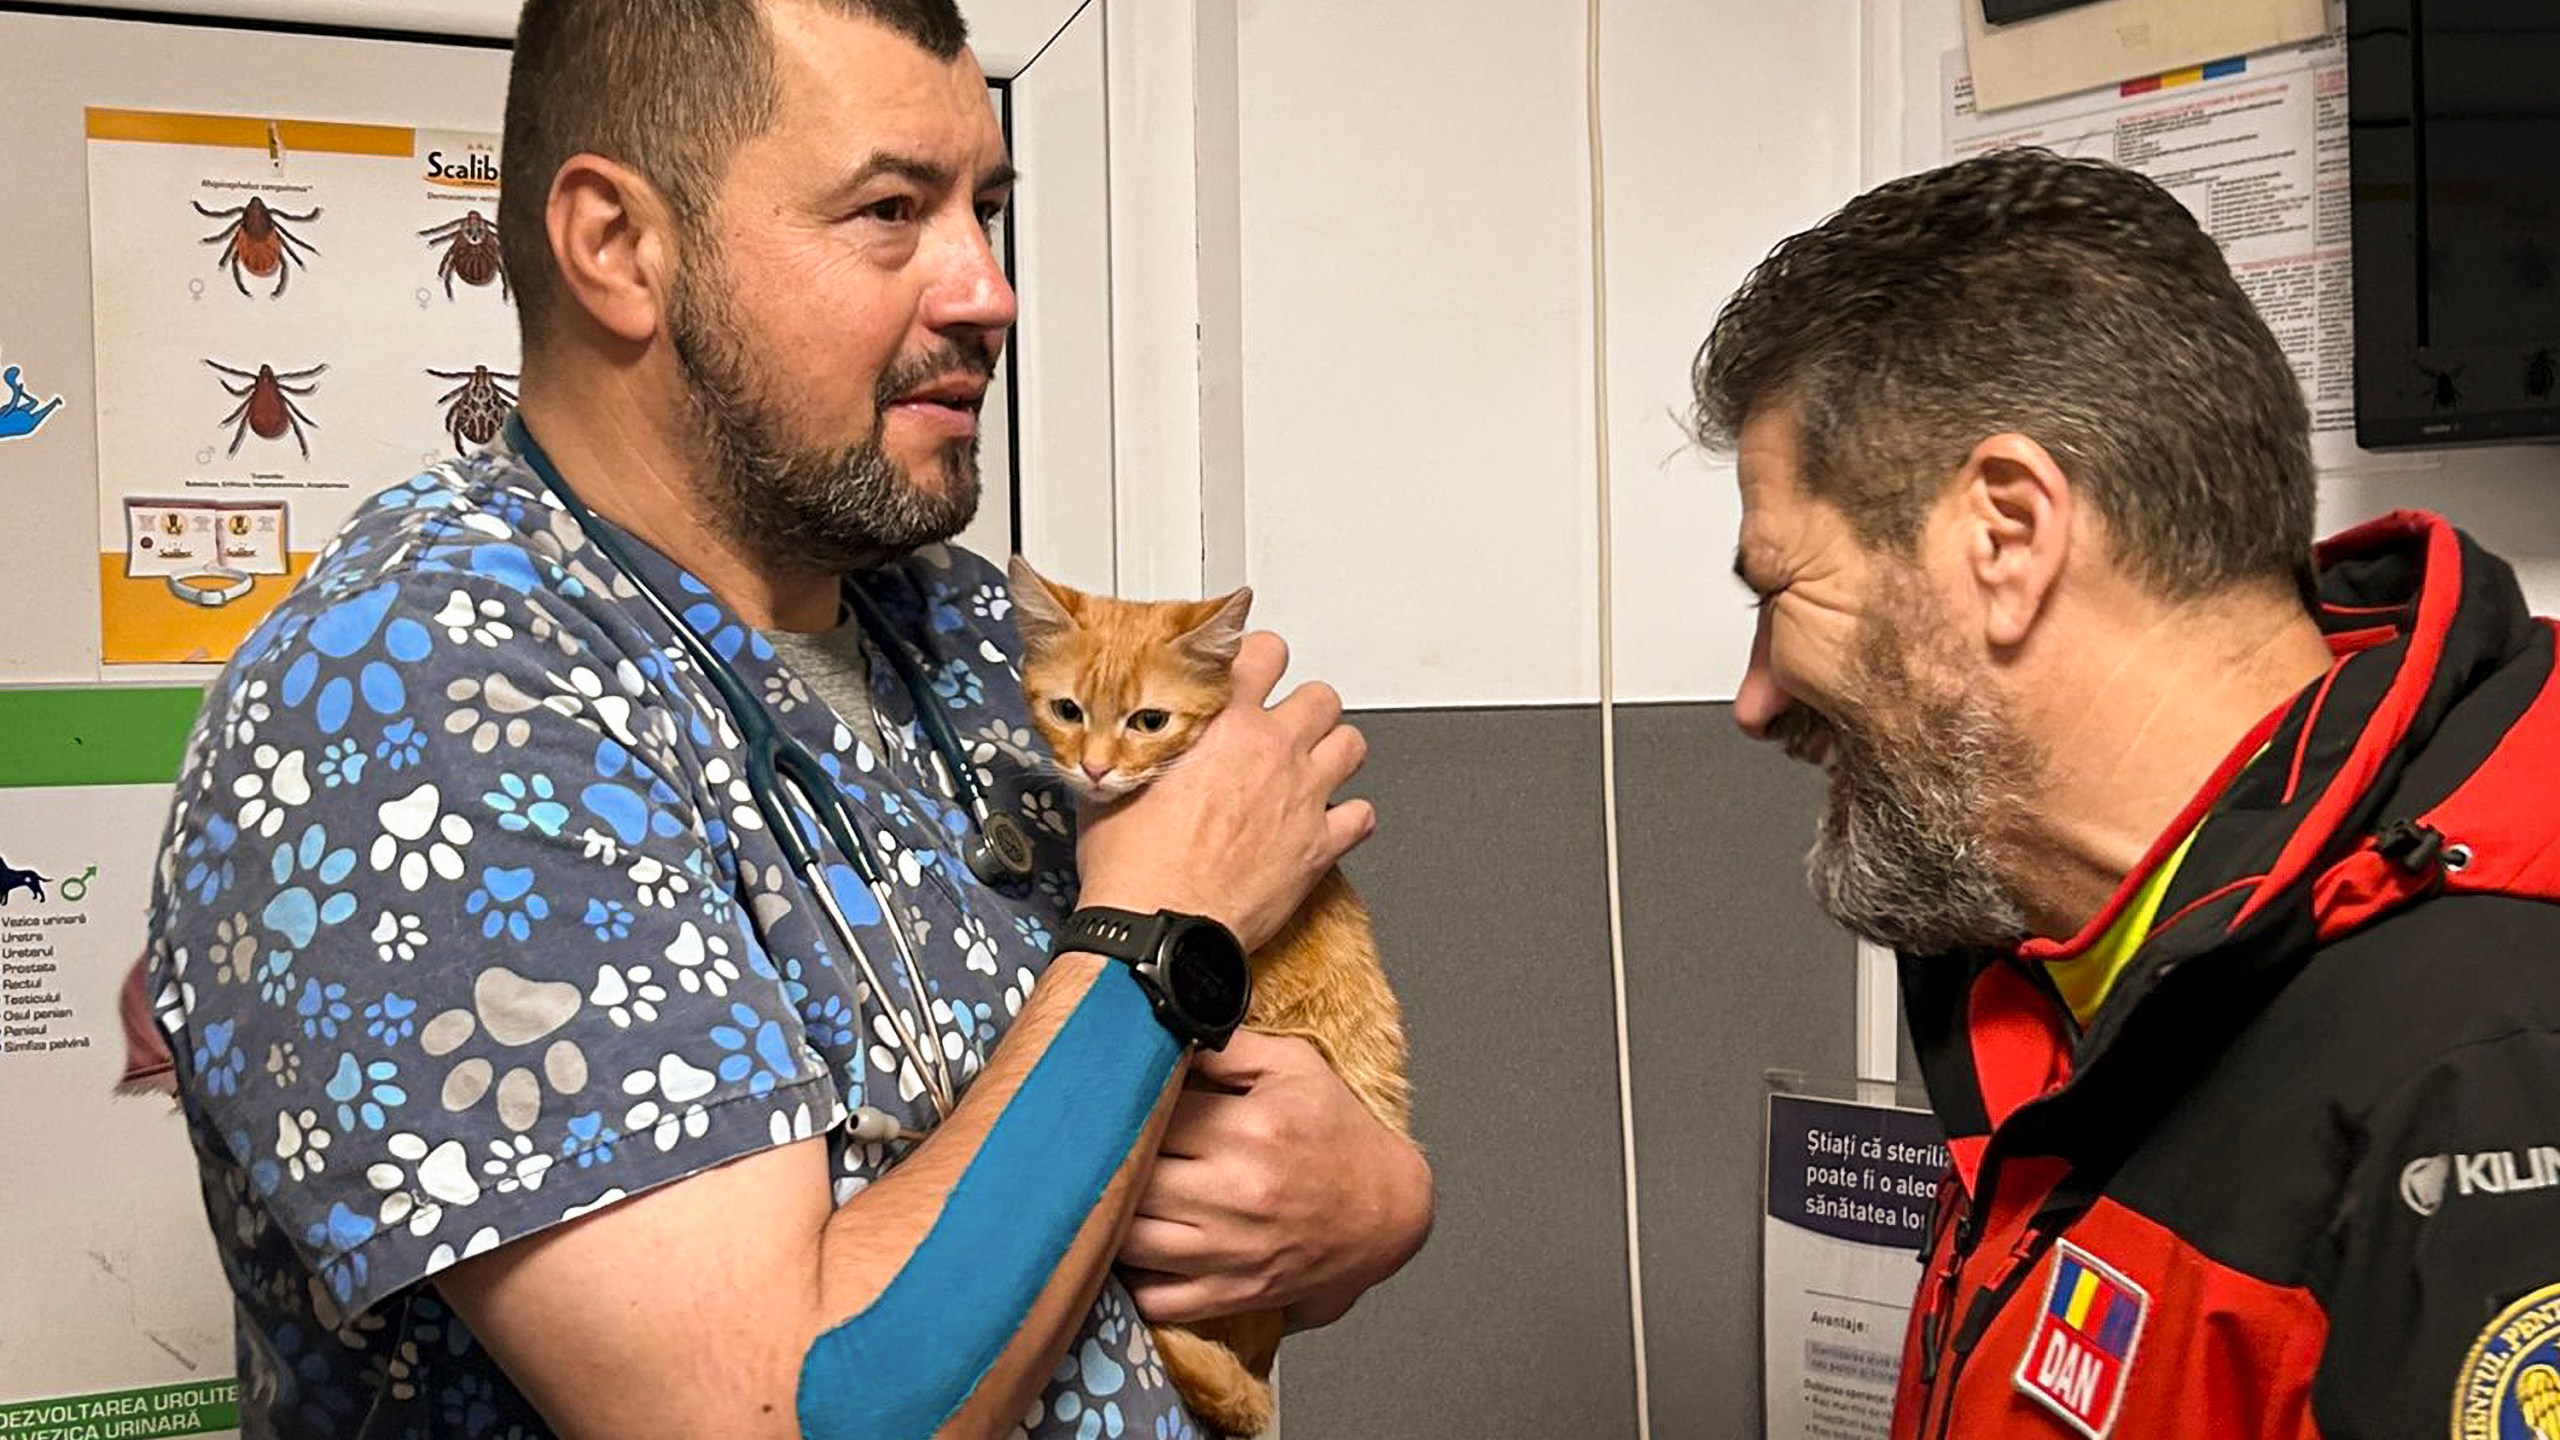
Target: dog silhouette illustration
{"points": [[12, 878]]}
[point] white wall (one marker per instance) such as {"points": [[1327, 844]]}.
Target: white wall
{"points": [[1421, 515], [1416, 231], [1416, 332], [1062, 343], [1728, 125], [2504, 496], [1418, 396]]}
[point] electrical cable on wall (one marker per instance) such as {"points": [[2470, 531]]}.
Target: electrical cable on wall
{"points": [[1608, 704]]}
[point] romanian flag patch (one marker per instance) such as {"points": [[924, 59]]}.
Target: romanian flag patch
{"points": [[2084, 1341]]}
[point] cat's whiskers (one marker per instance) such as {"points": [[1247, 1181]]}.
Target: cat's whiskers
{"points": [[1078, 784], [1161, 769]]}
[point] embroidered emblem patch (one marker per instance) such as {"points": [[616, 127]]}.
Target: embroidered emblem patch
{"points": [[2509, 1385], [2082, 1349]]}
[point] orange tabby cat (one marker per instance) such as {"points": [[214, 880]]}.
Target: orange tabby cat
{"points": [[1119, 689]]}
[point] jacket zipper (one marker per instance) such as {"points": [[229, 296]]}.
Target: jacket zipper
{"points": [[1987, 1304], [1992, 1297], [1931, 1292], [1933, 1302], [1947, 1286], [1952, 1371]]}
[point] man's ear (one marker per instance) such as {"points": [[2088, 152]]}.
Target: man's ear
{"points": [[1217, 628], [2014, 508], [1041, 611], [613, 238]]}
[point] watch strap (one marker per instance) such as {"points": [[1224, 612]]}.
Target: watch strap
{"points": [[1118, 934]]}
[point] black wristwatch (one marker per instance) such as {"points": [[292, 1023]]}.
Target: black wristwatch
{"points": [[1192, 968]]}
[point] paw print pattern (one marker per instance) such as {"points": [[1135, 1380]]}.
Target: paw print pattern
{"points": [[470, 925]]}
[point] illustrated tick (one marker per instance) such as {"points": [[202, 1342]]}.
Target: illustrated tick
{"points": [[266, 403], [257, 242], [470, 251], [477, 406]]}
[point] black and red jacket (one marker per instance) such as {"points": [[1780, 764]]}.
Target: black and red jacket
{"points": [[2301, 1145]]}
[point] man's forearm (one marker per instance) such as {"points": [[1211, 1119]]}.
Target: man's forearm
{"points": [[1030, 1360], [984, 1249], [786, 1290]]}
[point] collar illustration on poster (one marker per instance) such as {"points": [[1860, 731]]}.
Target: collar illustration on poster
{"points": [[21, 415]]}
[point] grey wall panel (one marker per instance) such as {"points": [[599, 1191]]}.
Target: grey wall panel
{"points": [[1488, 883], [1731, 971], [1487, 878]]}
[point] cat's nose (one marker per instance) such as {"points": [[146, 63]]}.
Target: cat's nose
{"points": [[1094, 770]]}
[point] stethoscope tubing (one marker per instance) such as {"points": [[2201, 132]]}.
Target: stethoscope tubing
{"points": [[773, 760]]}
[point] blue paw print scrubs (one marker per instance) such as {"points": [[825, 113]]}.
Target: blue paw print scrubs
{"points": [[467, 925]]}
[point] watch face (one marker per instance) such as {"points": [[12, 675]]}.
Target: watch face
{"points": [[1207, 974]]}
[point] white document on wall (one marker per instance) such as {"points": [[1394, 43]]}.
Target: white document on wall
{"points": [[2256, 148], [2103, 42], [1848, 1190]]}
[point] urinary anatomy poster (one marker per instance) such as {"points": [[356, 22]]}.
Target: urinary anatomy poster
{"points": [[114, 1316], [290, 315]]}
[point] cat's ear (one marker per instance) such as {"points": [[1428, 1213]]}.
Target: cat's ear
{"points": [[1217, 629], [1039, 609]]}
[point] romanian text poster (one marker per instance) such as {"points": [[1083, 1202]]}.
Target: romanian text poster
{"points": [[114, 1317], [1849, 1190]]}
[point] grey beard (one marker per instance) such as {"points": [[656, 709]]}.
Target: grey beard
{"points": [[1909, 853], [827, 510]]}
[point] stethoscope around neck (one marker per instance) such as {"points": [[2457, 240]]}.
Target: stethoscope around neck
{"points": [[998, 851]]}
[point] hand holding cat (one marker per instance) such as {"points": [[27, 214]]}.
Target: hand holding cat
{"points": [[1242, 827], [1275, 1188], [1286, 1185]]}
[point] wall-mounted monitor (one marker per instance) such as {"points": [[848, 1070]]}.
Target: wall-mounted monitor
{"points": [[2455, 111]]}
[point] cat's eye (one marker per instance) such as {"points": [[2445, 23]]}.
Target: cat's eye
{"points": [[1067, 710], [1148, 722]]}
